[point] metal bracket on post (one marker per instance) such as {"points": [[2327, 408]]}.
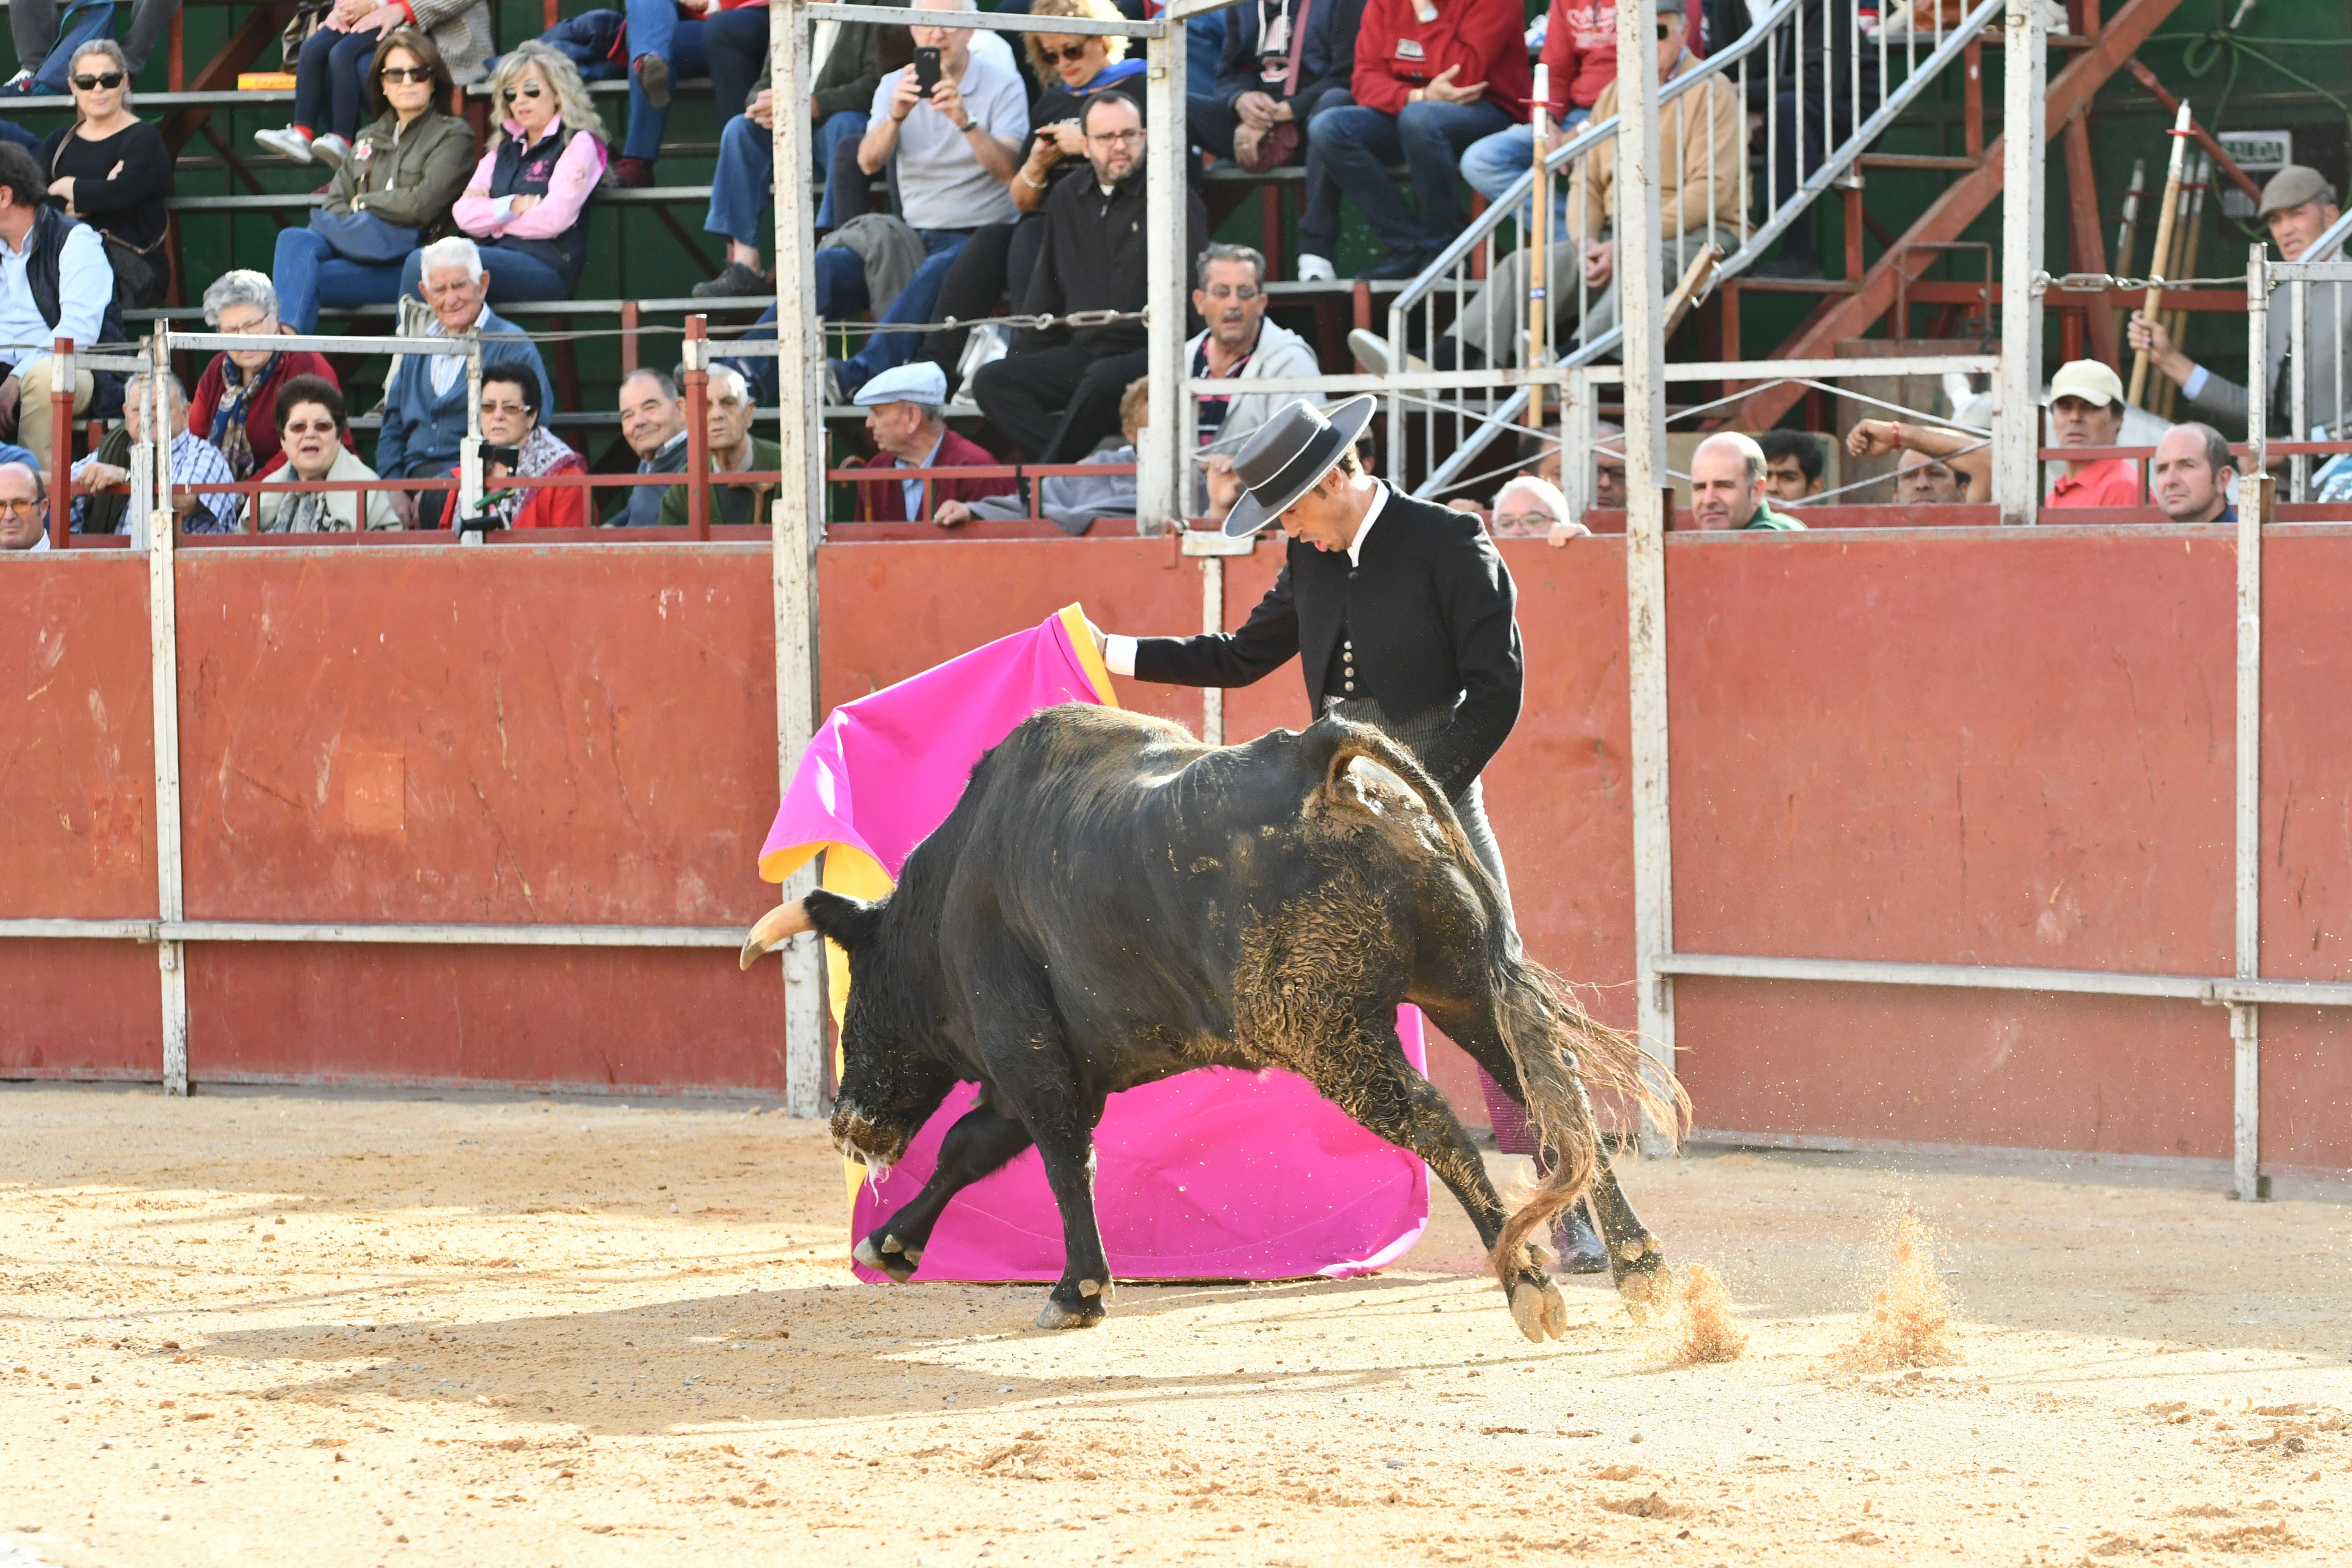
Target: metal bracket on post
{"points": [[1639, 292], [796, 520], [1161, 470], [163, 675], [2017, 396]]}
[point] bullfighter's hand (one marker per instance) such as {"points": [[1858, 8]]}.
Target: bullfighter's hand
{"points": [[1102, 643]]}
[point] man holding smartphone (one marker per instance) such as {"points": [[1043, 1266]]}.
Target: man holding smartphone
{"points": [[952, 126]]}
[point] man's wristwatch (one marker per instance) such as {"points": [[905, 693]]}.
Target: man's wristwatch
{"points": [[969, 122]]}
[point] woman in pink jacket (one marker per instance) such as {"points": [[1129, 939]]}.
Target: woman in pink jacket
{"points": [[527, 203]]}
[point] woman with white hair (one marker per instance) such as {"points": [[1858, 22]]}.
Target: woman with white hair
{"points": [[235, 404], [525, 205], [112, 170]]}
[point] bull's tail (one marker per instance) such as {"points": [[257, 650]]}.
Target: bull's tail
{"points": [[1557, 1048]]}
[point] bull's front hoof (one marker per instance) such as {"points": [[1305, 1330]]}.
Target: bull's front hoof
{"points": [[891, 1256], [1537, 1308], [1079, 1306]]}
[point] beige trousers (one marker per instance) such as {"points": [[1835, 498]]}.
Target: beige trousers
{"points": [[35, 420]]}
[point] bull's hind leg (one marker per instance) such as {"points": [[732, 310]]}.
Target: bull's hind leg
{"points": [[977, 1145], [1636, 1262], [1363, 1071]]}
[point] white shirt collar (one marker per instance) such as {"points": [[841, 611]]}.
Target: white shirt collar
{"points": [[1380, 499]]}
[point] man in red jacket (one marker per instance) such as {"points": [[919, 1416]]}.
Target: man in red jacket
{"points": [[903, 416], [1432, 76]]}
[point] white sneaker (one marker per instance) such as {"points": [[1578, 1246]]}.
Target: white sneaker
{"points": [[1314, 268], [290, 142], [21, 83], [329, 149], [1372, 353]]}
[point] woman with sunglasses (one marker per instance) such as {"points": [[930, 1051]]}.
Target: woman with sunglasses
{"points": [[995, 264], [525, 205], [402, 175], [110, 169], [333, 70]]}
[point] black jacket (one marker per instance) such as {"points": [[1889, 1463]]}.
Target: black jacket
{"points": [[1096, 256], [1430, 613]]}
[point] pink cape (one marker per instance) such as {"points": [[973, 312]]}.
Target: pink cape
{"points": [[1213, 1174]]}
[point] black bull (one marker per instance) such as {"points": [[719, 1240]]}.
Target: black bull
{"points": [[1113, 902]]}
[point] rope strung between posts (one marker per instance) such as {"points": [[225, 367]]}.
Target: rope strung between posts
{"points": [[2100, 282]]}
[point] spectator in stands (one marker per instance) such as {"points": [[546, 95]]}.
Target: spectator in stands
{"points": [[1430, 77], [2086, 409], [2192, 473], [905, 421], [1608, 461], [112, 170], [24, 508], [1056, 394], [2298, 204], [653, 422], [1728, 486], [33, 24], [1001, 260], [313, 431], [670, 40], [55, 283], [1275, 70], [743, 184], [1529, 508], [1238, 345], [515, 445], [954, 153], [235, 406], [1703, 150], [399, 184], [1071, 503], [424, 402], [1580, 50], [733, 451], [527, 202], [1938, 467], [1794, 461], [333, 70], [105, 474]]}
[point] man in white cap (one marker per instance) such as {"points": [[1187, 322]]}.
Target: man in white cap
{"points": [[906, 420], [2086, 409], [1399, 612], [2299, 205]]}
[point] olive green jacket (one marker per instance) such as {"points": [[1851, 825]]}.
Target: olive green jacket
{"points": [[410, 178], [847, 78]]}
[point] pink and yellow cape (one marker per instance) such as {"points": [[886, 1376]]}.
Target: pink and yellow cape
{"points": [[1216, 1174]]}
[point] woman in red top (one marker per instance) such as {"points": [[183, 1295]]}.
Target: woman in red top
{"points": [[1432, 76], [235, 402], [510, 418]]}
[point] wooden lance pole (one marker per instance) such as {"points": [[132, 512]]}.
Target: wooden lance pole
{"points": [[2160, 257]]}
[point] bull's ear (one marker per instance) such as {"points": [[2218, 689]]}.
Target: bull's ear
{"points": [[848, 922]]}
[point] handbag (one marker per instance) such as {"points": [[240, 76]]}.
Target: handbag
{"points": [[362, 237], [308, 18], [1278, 144]]}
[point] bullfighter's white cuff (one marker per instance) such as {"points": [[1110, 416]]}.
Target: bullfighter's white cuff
{"points": [[1119, 654]]}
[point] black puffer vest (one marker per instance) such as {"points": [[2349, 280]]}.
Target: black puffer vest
{"points": [[519, 173], [44, 252]]}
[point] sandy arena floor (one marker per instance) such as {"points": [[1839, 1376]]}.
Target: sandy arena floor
{"points": [[278, 1329]]}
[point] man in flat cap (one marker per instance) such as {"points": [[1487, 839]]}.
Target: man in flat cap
{"points": [[1400, 614], [2299, 205]]}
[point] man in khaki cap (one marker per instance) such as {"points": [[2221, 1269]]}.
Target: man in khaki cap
{"points": [[2298, 204], [2086, 409]]}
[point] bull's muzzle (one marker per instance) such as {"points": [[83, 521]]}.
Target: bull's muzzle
{"points": [[776, 927]]}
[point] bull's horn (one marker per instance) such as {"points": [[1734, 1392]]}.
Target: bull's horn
{"points": [[778, 925]]}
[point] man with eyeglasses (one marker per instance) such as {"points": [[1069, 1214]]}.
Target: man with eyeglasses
{"points": [[1238, 345], [24, 509], [1056, 394]]}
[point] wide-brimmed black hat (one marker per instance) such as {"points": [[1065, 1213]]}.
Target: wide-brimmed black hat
{"points": [[1289, 452]]}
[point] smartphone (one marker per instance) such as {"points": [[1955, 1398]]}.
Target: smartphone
{"points": [[927, 70]]}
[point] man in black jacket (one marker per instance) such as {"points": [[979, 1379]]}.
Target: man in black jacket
{"points": [[1402, 615], [1055, 395]]}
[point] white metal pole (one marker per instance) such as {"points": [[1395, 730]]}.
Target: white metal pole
{"points": [[796, 519], [1638, 226], [2017, 418], [2254, 494], [1161, 460], [163, 667]]}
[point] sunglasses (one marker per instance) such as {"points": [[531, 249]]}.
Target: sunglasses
{"points": [[1665, 30], [1068, 57], [19, 508], [108, 80], [528, 90], [406, 73]]}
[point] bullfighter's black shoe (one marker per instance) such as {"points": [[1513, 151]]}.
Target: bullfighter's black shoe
{"points": [[1578, 1244]]}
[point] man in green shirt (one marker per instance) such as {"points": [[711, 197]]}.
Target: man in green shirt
{"points": [[733, 451], [1728, 479]]}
